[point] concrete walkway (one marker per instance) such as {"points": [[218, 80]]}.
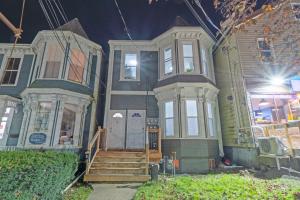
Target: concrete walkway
{"points": [[114, 191]]}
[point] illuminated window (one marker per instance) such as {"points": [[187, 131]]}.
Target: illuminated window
{"points": [[296, 10], [192, 117], [77, 65], [130, 67], [67, 126], [210, 119], [42, 116], [204, 61], [117, 115], [168, 61], [54, 58], [4, 121], [11, 71], [169, 118], [265, 51], [188, 58]]}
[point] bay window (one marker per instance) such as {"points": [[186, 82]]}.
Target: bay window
{"points": [[169, 118], [53, 62], [67, 125], [188, 59], [130, 66], [77, 65], [168, 65], [192, 117], [11, 71], [204, 61], [42, 116], [210, 120]]}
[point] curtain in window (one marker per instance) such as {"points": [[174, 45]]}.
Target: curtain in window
{"points": [[53, 62], [77, 65]]}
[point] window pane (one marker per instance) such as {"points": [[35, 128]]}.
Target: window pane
{"points": [[188, 65], [13, 63], [169, 109], [131, 60], [296, 9], [169, 127], [209, 110], [263, 45], [2, 129], [168, 67], [11, 71], [188, 50], [168, 54], [130, 72], [192, 126], [52, 69], [204, 61], [42, 116], [67, 127], [77, 66], [191, 108], [211, 127]]}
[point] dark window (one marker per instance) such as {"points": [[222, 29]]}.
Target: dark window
{"points": [[264, 47], [11, 71], [296, 9]]}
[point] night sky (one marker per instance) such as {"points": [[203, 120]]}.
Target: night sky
{"points": [[101, 20]]}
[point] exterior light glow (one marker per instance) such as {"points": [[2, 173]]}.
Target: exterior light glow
{"points": [[277, 80]]}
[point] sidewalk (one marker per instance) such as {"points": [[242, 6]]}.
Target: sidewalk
{"points": [[114, 191]]}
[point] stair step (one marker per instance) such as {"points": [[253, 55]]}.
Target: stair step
{"points": [[119, 159], [109, 170], [119, 164], [132, 155], [116, 178]]}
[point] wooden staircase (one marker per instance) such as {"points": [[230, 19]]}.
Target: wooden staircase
{"points": [[118, 166]]}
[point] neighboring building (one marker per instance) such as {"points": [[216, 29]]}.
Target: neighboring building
{"points": [[256, 68], [49, 90], [167, 82]]}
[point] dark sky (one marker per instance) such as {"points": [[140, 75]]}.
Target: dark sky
{"points": [[100, 18]]}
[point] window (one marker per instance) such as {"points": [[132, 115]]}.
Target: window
{"points": [[77, 64], [130, 67], [168, 61], [67, 126], [264, 47], [188, 58], [42, 116], [169, 119], [4, 120], [204, 61], [53, 62], [296, 10], [192, 117], [11, 71], [210, 120]]}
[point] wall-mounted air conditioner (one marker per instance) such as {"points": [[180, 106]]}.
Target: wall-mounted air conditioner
{"points": [[272, 146]]}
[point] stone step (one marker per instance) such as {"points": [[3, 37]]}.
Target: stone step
{"points": [[119, 164], [110, 170], [112, 178]]}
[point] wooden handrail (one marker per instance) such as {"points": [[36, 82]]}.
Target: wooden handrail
{"points": [[147, 149]]}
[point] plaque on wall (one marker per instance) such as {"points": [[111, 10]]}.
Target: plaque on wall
{"points": [[37, 138]]}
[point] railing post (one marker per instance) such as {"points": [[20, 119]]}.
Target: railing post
{"points": [[98, 139]]}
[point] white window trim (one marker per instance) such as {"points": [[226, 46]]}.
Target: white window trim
{"points": [[209, 135], [85, 52], [196, 62], [138, 67], [3, 66], [271, 50], [45, 58], [186, 119], [164, 118], [162, 62], [292, 7]]}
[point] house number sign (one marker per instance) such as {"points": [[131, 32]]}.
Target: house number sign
{"points": [[37, 138]]}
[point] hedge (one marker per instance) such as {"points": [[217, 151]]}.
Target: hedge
{"points": [[34, 175]]}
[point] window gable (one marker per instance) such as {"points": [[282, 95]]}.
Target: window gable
{"points": [[11, 71]]}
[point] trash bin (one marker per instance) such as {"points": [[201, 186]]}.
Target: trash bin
{"points": [[154, 172]]}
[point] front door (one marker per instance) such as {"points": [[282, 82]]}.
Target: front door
{"points": [[135, 137], [116, 129]]}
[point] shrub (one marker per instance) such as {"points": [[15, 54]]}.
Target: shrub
{"points": [[33, 175]]}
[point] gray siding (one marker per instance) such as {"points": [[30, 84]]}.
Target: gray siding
{"points": [[193, 154], [148, 73], [15, 126], [22, 81], [135, 102], [1, 58]]}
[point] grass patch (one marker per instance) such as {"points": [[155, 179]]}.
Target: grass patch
{"points": [[221, 186], [78, 192]]}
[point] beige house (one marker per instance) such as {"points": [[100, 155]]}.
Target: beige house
{"points": [[256, 68]]}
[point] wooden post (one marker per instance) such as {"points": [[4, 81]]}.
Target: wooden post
{"points": [[147, 150], [98, 139]]}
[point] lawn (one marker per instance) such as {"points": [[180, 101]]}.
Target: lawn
{"points": [[78, 192], [220, 186]]}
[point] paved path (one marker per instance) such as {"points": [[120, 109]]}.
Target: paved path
{"points": [[113, 191]]}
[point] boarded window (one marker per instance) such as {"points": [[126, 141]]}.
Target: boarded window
{"points": [[192, 117], [11, 71], [168, 61], [130, 68], [53, 62], [77, 65], [169, 118], [188, 58]]}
